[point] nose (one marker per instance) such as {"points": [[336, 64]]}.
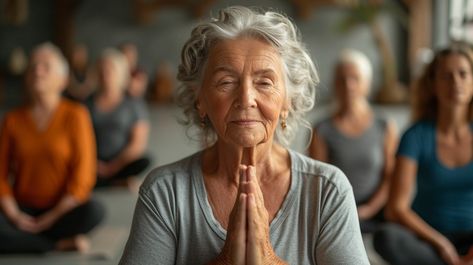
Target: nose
{"points": [[246, 97], [456, 79], [38, 69]]}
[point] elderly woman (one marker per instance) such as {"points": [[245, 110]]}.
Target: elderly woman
{"points": [[47, 165], [246, 199], [120, 124], [356, 140], [432, 193]]}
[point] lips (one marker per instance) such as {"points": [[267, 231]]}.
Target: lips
{"points": [[245, 122]]}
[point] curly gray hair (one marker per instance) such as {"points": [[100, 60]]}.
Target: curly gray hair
{"points": [[233, 22]]}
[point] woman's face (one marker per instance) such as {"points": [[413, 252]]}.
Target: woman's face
{"points": [[243, 91], [110, 79], [454, 81], [44, 73], [350, 84]]}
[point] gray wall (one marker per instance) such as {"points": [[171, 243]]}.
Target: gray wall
{"points": [[105, 23]]}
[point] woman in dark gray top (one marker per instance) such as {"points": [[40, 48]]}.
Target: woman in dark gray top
{"points": [[246, 199], [355, 140], [120, 123]]}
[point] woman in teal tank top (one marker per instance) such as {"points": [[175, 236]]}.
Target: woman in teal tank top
{"points": [[431, 198]]}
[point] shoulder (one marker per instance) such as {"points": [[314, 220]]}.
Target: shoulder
{"points": [[386, 126], [169, 177], [137, 105], [319, 173], [420, 128], [15, 114]]}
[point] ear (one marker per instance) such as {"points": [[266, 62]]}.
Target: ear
{"points": [[199, 101]]}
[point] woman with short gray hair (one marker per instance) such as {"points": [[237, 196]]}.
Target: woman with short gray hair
{"points": [[246, 80], [357, 140], [120, 124]]}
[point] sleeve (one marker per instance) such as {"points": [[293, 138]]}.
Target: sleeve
{"points": [[140, 110], [409, 146], [5, 158], [340, 240], [84, 162], [151, 238]]}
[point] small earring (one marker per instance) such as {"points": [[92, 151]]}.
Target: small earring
{"points": [[283, 123]]}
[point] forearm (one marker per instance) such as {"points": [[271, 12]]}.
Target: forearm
{"points": [[9, 207], [127, 155], [416, 224], [67, 203], [376, 202]]}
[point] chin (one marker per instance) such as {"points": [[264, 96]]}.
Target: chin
{"points": [[250, 142]]}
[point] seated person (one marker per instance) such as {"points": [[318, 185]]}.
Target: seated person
{"points": [[247, 81], [356, 140], [431, 202], [120, 123], [82, 78], [47, 165], [138, 81]]}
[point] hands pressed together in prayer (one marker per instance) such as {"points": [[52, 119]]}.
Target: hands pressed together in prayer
{"points": [[247, 239]]}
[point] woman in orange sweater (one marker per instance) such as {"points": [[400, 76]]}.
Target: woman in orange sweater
{"points": [[47, 165]]}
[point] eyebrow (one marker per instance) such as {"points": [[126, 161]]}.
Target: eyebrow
{"points": [[224, 68]]}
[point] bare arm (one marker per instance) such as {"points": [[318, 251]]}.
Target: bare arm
{"points": [[47, 219], [18, 218], [318, 148], [380, 197], [399, 209]]}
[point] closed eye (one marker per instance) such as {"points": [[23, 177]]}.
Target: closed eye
{"points": [[264, 83], [227, 84]]}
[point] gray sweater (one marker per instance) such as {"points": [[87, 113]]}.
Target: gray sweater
{"points": [[174, 224]]}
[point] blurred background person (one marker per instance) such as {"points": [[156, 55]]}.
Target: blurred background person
{"points": [[120, 123], [138, 81], [432, 193], [82, 78], [356, 140], [47, 165]]}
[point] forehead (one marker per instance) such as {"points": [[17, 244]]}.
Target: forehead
{"points": [[454, 60], [243, 51], [45, 56], [349, 68]]}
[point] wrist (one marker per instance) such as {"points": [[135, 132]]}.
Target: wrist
{"points": [[275, 260]]}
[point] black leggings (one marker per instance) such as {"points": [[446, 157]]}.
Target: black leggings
{"points": [[79, 220], [399, 246], [132, 169]]}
